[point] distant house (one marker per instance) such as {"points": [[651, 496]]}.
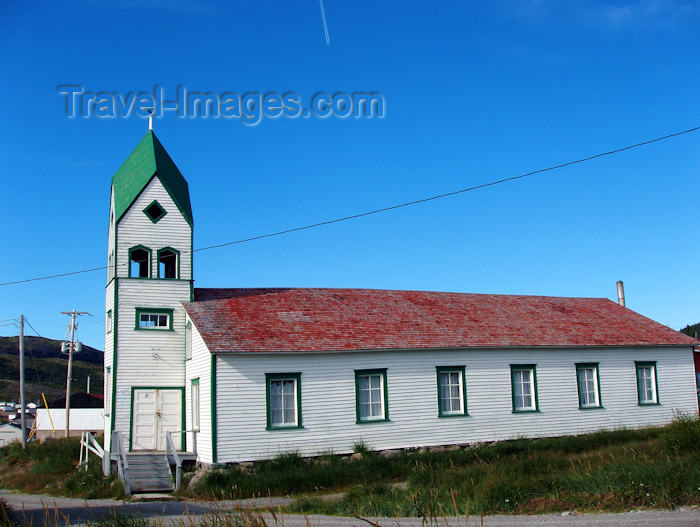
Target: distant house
{"points": [[6, 411], [10, 432], [52, 422], [29, 415], [257, 372], [86, 415]]}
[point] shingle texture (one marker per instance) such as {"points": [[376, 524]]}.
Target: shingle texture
{"points": [[149, 159], [295, 320]]}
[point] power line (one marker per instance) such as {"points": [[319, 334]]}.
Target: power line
{"points": [[34, 330], [447, 194], [393, 207], [54, 276]]}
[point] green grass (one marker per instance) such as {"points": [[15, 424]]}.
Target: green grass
{"points": [[604, 471], [290, 474], [51, 468], [607, 470]]}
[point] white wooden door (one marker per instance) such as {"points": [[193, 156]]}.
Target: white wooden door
{"points": [[169, 416], [155, 412]]}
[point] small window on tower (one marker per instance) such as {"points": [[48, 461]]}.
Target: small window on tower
{"points": [[154, 211], [139, 262], [167, 263], [154, 319]]}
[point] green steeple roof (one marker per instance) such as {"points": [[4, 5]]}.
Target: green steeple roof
{"points": [[149, 159]]}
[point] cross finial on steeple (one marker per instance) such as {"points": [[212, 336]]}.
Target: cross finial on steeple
{"points": [[150, 119]]}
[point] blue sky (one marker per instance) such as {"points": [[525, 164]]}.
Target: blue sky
{"points": [[474, 92]]}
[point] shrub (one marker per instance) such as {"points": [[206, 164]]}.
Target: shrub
{"points": [[360, 447], [683, 434]]}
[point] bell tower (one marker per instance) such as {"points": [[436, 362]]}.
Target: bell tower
{"points": [[149, 275]]}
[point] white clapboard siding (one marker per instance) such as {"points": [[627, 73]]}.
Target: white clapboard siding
{"points": [[328, 398], [135, 228], [108, 358], [199, 367], [111, 244], [109, 331], [148, 358]]}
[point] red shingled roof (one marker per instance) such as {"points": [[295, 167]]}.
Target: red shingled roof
{"points": [[273, 320]]}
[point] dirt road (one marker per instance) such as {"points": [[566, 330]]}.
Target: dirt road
{"points": [[51, 511]]}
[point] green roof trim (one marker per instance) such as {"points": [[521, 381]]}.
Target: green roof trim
{"points": [[148, 160]]}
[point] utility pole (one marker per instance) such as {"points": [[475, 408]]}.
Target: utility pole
{"points": [[71, 348], [23, 418]]}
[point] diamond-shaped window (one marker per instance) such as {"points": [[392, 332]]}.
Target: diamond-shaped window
{"points": [[155, 212]]}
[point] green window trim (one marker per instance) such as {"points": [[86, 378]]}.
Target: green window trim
{"points": [[384, 392], [177, 263], [150, 256], [154, 215], [188, 341], [111, 267], [273, 377], [153, 311], [524, 367], [196, 424], [108, 391], [463, 390], [599, 401], [639, 367], [110, 322], [212, 409]]}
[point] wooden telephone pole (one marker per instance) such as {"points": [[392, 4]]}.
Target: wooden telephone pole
{"points": [[71, 348], [22, 409]]}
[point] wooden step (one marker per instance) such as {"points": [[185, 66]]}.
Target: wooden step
{"points": [[149, 472]]}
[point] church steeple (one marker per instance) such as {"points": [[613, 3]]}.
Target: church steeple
{"points": [[149, 159], [150, 275]]}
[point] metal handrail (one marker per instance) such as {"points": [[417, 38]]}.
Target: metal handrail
{"points": [[122, 463]]}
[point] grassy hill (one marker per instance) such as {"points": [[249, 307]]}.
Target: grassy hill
{"points": [[46, 368]]}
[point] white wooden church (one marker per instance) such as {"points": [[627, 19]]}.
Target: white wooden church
{"points": [[250, 373]]}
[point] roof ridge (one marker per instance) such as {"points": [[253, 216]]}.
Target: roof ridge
{"points": [[371, 289]]}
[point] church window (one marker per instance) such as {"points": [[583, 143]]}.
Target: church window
{"points": [[154, 212], [139, 262], [188, 341], [168, 263]]}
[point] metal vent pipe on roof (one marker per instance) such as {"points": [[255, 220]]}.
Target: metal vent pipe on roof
{"points": [[620, 293]]}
